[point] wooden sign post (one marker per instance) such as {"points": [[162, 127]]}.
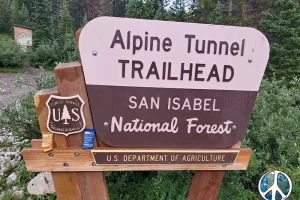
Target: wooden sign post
{"points": [[158, 95]]}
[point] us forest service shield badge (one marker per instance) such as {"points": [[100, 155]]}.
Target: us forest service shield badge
{"points": [[65, 114]]}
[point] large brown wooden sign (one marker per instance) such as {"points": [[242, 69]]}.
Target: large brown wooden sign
{"points": [[168, 84]]}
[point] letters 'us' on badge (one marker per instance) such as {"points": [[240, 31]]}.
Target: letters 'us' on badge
{"points": [[65, 114]]}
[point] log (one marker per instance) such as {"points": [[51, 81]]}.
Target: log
{"points": [[65, 183], [70, 81]]}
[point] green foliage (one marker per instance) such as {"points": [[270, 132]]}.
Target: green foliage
{"points": [[19, 14], [150, 9], [9, 170], [20, 116], [9, 196], [49, 55], [78, 9], [65, 26], [275, 124], [5, 37], [23, 177], [178, 10], [119, 8], [219, 16], [5, 22], [21, 119], [11, 55], [149, 185], [5, 143], [84, 21], [45, 55], [42, 23], [295, 178], [135, 9], [281, 24], [68, 51]]}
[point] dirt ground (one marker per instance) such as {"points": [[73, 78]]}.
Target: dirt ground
{"points": [[8, 89]]}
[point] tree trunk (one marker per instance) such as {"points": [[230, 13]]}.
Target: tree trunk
{"points": [[230, 7]]}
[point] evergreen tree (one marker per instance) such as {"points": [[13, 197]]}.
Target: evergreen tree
{"points": [[281, 26], [106, 8], [135, 9], [217, 16], [77, 12], [24, 16], [42, 22], [19, 15], [30, 4], [14, 12], [178, 7], [5, 21], [55, 8], [150, 8], [119, 8], [203, 10], [84, 21], [65, 115], [65, 25]]}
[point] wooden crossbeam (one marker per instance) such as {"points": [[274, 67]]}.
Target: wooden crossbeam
{"points": [[65, 159]]}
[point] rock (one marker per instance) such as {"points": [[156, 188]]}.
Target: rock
{"points": [[19, 194], [11, 178], [15, 188], [11, 139], [10, 154], [14, 163], [3, 169], [7, 159], [39, 186]]}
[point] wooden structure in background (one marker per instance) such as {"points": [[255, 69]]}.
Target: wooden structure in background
{"points": [[23, 36], [74, 172]]}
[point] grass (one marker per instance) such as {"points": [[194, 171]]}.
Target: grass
{"points": [[9, 170], [23, 177], [6, 143], [5, 37], [12, 69], [9, 196]]}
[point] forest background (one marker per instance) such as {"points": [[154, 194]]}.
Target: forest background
{"points": [[274, 129]]}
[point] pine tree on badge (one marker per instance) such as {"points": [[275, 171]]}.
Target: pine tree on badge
{"points": [[65, 115]]}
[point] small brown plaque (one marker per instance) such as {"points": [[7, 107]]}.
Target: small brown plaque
{"points": [[149, 157]]}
